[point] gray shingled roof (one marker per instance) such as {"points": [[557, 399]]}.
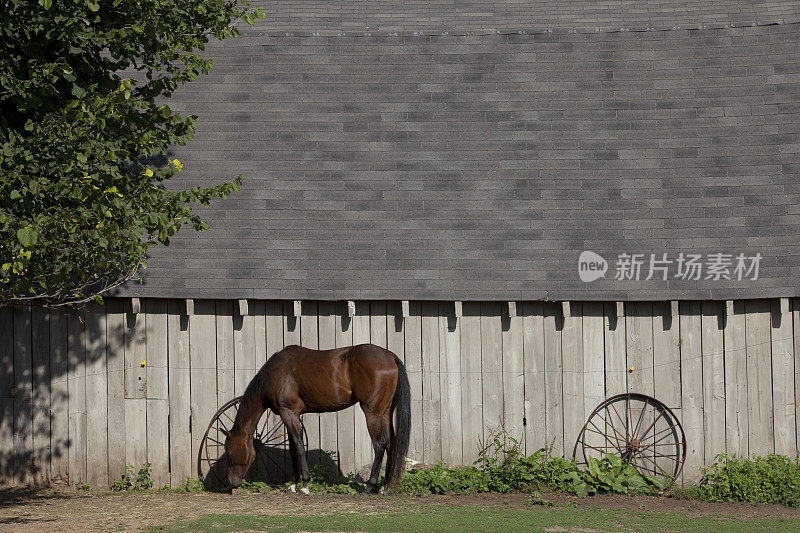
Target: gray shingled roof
{"points": [[480, 166], [480, 15]]}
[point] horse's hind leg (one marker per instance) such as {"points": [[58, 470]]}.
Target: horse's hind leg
{"points": [[378, 426], [294, 427]]}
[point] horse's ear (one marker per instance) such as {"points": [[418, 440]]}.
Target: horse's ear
{"points": [[225, 432]]}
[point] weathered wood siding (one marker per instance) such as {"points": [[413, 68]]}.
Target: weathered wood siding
{"points": [[82, 394]]}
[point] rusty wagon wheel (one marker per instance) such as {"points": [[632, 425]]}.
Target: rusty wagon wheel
{"points": [[641, 430], [271, 442]]}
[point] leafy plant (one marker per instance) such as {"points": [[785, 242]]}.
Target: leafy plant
{"points": [[770, 479], [85, 133], [130, 481]]}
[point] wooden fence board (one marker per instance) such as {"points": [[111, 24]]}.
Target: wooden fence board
{"points": [[639, 327], [450, 383], [244, 350], [471, 381], [712, 346], [431, 394], [180, 409], [115, 362], [554, 379], [573, 375], [76, 359], [533, 367], [736, 430], [202, 351], [691, 382], [783, 392], [6, 354], [759, 378], [491, 367], [593, 369], [97, 396], [328, 430], [225, 355], [363, 443], [616, 375], [796, 328], [513, 378], [40, 354], [259, 310], [157, 390], [135, 351], [23, 397], [309, 338], [413, 362], [345, 420]]}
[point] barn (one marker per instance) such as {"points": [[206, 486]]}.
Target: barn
{"points": [[536, 205]]}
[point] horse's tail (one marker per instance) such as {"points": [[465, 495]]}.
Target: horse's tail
{"points": [[400, 429]]}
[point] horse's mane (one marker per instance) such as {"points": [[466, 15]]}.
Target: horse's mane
{"points": [[253, 393]]}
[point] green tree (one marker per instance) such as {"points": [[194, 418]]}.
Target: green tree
{"points": [[84, 86]]}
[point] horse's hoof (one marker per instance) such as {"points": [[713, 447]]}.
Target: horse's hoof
{"points": [[292, 489], [305, 491]]}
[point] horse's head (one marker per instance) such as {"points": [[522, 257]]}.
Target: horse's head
{"points": [[241, 454]]}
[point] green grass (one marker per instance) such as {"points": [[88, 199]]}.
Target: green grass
{"points": [[459, 518]]}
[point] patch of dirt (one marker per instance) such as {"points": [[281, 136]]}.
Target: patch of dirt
{"points": [[66, 509]]}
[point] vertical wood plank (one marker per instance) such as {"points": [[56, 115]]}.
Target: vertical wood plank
{"points": [[309, 338], [450, 384], [533, 354], [471, 381], [593, 367], [492, 367], [157, 390], [666, 356], [259, 335], [96, 396], [712, 346], [115, 357], [363, 443], [180, 409], [377, 323], [413, 362], [431, 396], [554, 379], [328, 430], [512, 332], [40, 353], [225, 357], [345, 420], [395, 332], [135, 352], [639, 327], [7, 440], [244, 350], [691, 381], [759, 378], [573, 369], [783, 392], [273, 322], [6, 354], [76, 358], [667, 373], [23, 397], [616, 351], [203, 356], [291, 325], [736, 429], [796, 328]]}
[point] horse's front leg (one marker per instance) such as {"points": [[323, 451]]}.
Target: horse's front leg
{"points": [[298, 452]]}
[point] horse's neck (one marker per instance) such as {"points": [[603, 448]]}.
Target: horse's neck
{"points": [[248, 416]]}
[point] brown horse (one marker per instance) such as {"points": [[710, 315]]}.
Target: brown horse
{"points": [[297, 380]]}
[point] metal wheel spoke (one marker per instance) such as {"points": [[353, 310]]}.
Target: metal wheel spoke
{"points": [[639, 421], [609, 423], [655, 465], [644, 433]]}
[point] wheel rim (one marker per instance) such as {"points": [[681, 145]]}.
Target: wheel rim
{"points": [[272, 463], [641, 430]]}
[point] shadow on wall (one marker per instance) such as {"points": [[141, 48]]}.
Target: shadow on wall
{"points": [[53, 377], [273, 466]]}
